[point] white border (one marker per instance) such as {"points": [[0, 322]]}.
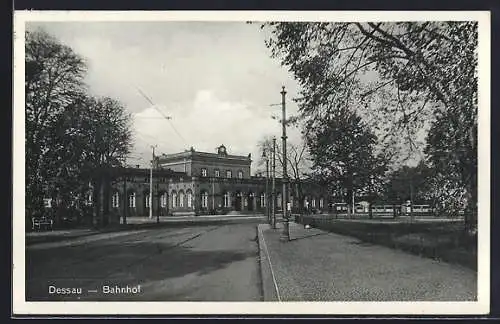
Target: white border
{"points": [[21, 307]]}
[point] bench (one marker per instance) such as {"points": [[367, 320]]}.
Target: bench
{"points": [[43, 222]]}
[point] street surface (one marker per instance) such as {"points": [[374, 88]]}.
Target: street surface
{"points": [[193, 263]]}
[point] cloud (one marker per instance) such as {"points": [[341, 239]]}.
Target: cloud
{"points": [[215, 79], [205, 123]]}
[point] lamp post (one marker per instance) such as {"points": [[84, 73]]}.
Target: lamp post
{"points": [[266, 199], [213, 195], [411, 199], [274, 184], [285, 234], [151, 183], [157, 203]]}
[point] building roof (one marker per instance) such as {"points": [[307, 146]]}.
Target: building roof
{"points": [[191, 153]]}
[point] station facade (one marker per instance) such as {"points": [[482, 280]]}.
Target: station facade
{"points": [[202, 183]]}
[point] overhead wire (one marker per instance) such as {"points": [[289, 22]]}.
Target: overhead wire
{"points": [[168, 118]]}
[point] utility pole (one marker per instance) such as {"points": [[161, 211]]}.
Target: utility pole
{"points": [[411, 199], [274, 184], [285, 235], [157, 204], [353, 207], [213, 195], [125, 197], [151, 184], [267, 191], [264, 155]]}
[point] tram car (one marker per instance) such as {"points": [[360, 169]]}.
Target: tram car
{"points": [[385, 209]]}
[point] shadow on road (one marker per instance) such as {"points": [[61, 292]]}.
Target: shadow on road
{"points": [[121, 264]]}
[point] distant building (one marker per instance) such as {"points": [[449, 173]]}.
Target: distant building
{"points": [[198, 183]]}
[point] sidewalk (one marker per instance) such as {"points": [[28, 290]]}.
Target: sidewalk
{"points": [[321, 266]]}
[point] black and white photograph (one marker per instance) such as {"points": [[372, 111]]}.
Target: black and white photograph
{"points": [[249, 162]]}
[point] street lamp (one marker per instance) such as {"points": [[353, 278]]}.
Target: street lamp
{"points": [[266, 200], [285, 235], [151, 183], [158, 206], [274, 185]]}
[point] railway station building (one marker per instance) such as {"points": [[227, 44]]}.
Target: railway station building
{"points": [[202, 183]]}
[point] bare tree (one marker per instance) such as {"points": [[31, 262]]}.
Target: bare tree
{"points": [[298, 163]]}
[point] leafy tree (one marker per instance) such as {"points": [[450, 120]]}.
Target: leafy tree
{"points": [[452, 152], [94, 135], [410, 184], [72, 138], [406, 76], [109, 131], [343, 154], [53, 76]]}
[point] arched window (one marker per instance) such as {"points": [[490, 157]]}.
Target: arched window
{"points": [[181, 199], [262, 200], [147, 200], [229, 174], [189, 199], [174, 199], [204, 199], [240, 174], [227, 199], [131, 200], [321, 203], [163, 200], [115, 200], [313, 202]]}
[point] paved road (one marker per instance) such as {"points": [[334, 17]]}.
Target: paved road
{"points": [[196, 263]]}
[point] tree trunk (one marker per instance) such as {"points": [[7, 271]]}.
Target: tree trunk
{"points": [[96, 201], [125, 199], [300, 198], [470, 216], [106, 196]]}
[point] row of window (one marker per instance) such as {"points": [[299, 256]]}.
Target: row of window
{"points": [[227, 199], [178, 199], [227, 196], [313, 203], [229, 173]]}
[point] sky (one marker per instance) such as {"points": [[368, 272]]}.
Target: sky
{"points": [[216, 80]]}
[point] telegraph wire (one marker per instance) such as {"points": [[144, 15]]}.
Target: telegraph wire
{"points": [[171, 124], [152, 104], [168, 118]]}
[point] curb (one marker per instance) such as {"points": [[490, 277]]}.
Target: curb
{"points": [[266, 273]]}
